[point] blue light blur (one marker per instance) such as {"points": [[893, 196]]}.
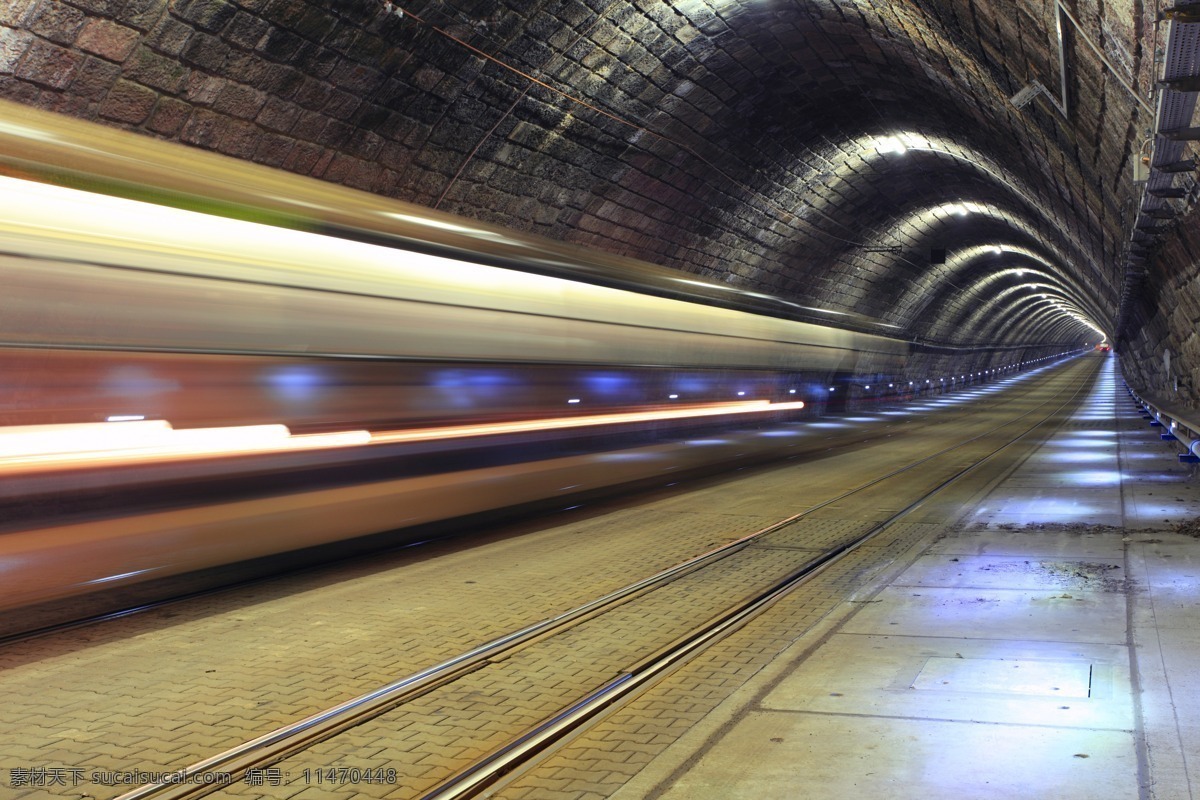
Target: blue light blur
{"points": [[607, 384], [465, 388], [133, 381], [692, 384]]}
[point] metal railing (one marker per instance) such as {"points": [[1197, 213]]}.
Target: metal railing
{"points": [[1181, 425]]}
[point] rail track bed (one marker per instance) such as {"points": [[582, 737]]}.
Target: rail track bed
{"points": [[476, 683]]}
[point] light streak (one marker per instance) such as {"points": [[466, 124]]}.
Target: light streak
{"points": [[37, 448]]}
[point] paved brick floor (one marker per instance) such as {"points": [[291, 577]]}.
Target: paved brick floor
{"points": [[162, 690]]}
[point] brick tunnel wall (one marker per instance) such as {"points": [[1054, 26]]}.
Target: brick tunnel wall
{"points": [[345, 92], [1162, 354]]}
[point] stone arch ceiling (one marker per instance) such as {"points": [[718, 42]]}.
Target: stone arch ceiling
{"points": [[738, 140]]}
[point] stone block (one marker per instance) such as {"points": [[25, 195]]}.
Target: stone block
{"points": [[254, 6], [238, 139], [276, 79], [311, 22], [202, 129], [273, 149], [335, 134], [312, 94], [246, 31], [107, 39], [49, 65], [14, 12], [364, 145], [103, 8], [357, 78], [157, 71], [207, 15], [239, 101], [140, 14], [344, 39], [57, 22], [309, 125], [96, 78], [303, 158], [278, 115], [395, 156], [169, 36], [351, 171], [13, 44], [169, 116], [280, 45], [318, 61], [20, 92], [205, 51], [203, 89], [73, 105], [370, 117], [341, 105], [128, 102]]}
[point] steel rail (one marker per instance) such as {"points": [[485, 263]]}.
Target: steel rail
{"points": [[9, 639], [298, 736], [537, 741]]}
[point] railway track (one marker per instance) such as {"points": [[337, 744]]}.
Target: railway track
{"points": [[506, 703]]}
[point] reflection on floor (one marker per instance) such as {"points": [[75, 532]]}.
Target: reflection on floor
{"points": [[1046, 648]]}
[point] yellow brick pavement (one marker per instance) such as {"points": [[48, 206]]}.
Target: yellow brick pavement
{"points": [[608, 755], [163, 689], [168, 688]]}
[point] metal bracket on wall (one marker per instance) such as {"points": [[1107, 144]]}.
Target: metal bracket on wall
{"points": [[1062, 19], [1171, 137], [1061, 13]]}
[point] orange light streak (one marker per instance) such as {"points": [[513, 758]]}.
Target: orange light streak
{"points": [[40, 448], [584, 421]]}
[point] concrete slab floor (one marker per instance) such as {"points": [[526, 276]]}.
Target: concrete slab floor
{"points": [[778, 755], [1045, 647]]}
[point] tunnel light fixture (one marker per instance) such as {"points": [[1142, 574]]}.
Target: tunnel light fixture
{"points": [[890, 144], [791, 391], [573, 400], [672, 397]]}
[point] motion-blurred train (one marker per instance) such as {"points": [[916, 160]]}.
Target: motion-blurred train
{"points": [[204, 361]]}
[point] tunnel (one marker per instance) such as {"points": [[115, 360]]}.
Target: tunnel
{"points": [[599, 398]]}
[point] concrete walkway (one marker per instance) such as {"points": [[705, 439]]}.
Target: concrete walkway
{"points": [[1045, 646]]}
